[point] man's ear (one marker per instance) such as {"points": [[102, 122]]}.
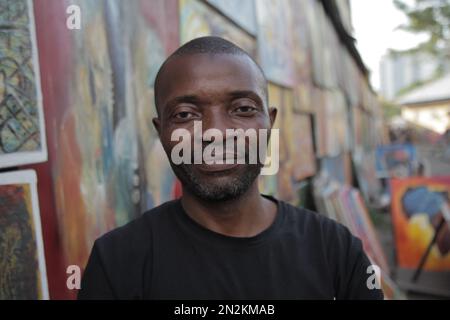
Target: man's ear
{"points": [[157, 124], [273, 115]]}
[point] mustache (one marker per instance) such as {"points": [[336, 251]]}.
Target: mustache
{"points": [[219, 151]]}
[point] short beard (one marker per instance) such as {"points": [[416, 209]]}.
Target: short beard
{"points": [[232, 188]]}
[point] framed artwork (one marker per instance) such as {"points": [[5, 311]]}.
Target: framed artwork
{"points": [[241, 12], [197, 19], [22, 130], [303, 150], [275, 43], [107, 163], [395, 160], [22, 263], [421, 221]]}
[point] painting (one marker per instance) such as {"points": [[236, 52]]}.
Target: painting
{"points": [[395, 160], [241, 12], [303, 95], [349, 78], [421, 221], [303, 149], [336, 123], [107, 163], [275, 44], [330, 51], [320, 130], [316, 17], [22, 264], [364, 163], [345, 204], [301, 40], [22, 132], [197, 19]]}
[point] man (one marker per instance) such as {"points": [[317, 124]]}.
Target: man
{"points": [[223, 239]]}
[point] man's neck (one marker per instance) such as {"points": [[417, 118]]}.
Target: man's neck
{"points": [[244, 216]]}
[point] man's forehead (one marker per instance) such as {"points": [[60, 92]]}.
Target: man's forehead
{"points": [[207, 64], [209, 70]]}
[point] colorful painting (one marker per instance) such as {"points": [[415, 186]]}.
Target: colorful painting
{"points": [[22, 133], [338, 168], [282, 99], [316, 18], [303, 95], [420, 208], [22, 263], [346, 205], [395, 160], [337, 123], [301, 40], [349, 73], [303, 149], [107, 163], [364, 162], [241, 12], [197, 19], [320, 129], [331, 130], [275, 44]]}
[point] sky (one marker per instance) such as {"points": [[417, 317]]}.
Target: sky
{"points": [[374, 23]]}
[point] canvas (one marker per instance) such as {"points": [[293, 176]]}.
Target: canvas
{"points": [[241, 12], [417, 209], [275, 45], [197, 19], [395, 160], [22, 132], [22, 263], [107, 163]]}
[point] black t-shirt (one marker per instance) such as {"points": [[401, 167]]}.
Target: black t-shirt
{"points": [[165, 254]]}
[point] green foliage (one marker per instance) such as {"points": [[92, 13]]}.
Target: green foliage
{"points": [[390, 110], [431, 17]]}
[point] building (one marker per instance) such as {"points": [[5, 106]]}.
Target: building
{"points": [[429, 105], [400, 70]]}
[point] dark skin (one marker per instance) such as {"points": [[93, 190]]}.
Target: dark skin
{"points": [[224, 91]]}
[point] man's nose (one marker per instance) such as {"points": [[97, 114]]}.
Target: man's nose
{"points": [[216, 118]]}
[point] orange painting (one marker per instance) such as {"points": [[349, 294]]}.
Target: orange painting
{"points": [[419, 206]]}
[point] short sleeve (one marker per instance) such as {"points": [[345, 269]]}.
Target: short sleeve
{"points": [[95, 284], [356, 277]]}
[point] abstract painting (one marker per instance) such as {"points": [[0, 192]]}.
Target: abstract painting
{"points": [[395, 160], [22, 133], [108, 166], [241, 12], [275, 43], [420, 212], [197, 19], [303, 150], [22, 263]]}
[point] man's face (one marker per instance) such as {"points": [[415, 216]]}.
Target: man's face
{"points": [[223, 91]]}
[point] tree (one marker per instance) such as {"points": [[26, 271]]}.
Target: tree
{"points": [[431, 17]]}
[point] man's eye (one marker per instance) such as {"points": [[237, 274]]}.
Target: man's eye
{"points": [[245, 109], [184, 115]]}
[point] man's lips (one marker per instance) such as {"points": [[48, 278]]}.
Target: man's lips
{"points": [[216, 167]]}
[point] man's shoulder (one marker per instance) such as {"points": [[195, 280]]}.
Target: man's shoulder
{"points": [[139, 230], [320, 231], [312, 221]]}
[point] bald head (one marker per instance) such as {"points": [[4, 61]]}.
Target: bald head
{"points": [[211, 46]]}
